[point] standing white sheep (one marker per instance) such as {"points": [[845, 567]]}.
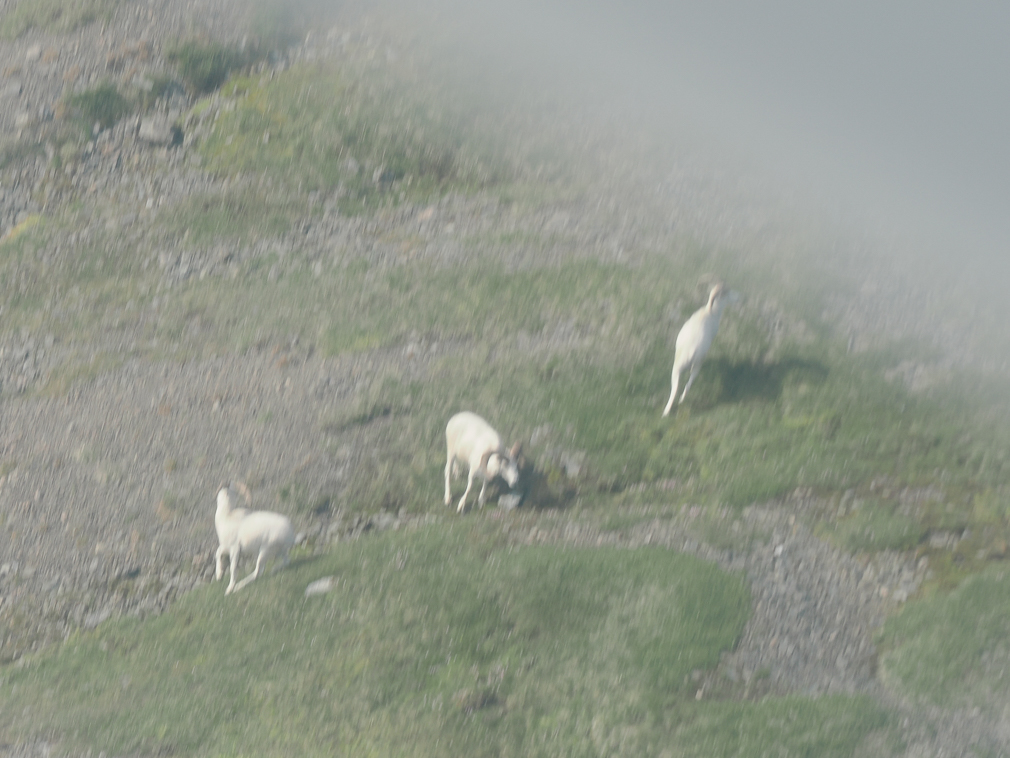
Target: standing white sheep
{"points": [[239, 530], [695, 338], [470, 439]]}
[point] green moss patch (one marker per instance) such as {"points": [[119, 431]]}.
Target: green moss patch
{"points": [[953, 649], [315, 127], [430, 642]]}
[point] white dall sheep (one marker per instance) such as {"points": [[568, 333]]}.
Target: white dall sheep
{"points": [[240, 530], [695, 338], [470, 439]]}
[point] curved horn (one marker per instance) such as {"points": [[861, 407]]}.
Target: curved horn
{"points": [[717, 289], [485, 458]]}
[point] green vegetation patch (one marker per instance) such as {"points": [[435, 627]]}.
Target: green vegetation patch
{"points": [[752, 429], [102, 104], [829, 727], [577, 351], [434, 642], [68, 290], [236, 216], [953, 649], [316, 127], [206, 65], [54, 15], [877, 525]]}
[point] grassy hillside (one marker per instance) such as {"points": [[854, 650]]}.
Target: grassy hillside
{"points": [[450, 639], [431, 642], [540, 347], [952, 649]]}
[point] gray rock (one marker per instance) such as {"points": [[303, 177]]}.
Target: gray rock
{"points": [[158, 130], [94, 619], [11, 89], [572, 463]]}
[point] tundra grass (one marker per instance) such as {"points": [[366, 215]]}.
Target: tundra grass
{"points": [[579, 350], [241, 217], [102, 104], [324, 128], [730, 452], [877, 525], [439, 641], [952, 649]]}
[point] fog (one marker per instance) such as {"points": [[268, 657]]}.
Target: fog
{"points": [[897, 113], [887, 120]]}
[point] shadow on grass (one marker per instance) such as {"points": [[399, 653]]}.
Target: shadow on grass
{"points": [[545, 487], [298, 561], [743, 381]]}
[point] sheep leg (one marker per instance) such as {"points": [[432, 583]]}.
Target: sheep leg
{"points": [[233, 555], [469, 484], [256, 571], [448, 473], [675, 380], [219, 571], [690, 380], [480, 497]]}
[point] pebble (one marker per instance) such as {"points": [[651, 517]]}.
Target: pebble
{"points": [[320, 586]]}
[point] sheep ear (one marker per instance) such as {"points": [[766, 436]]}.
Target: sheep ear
{"points": [[516, 449], [484, 460]]}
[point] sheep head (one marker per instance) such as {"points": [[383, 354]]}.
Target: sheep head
{"points": [[716, 294], [224, 500], [720, 296], [499, 463]]}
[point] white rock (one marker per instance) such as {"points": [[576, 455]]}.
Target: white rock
{"points": [[510, 501], [321, 586]]}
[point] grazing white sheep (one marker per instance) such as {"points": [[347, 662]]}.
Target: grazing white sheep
{"points": [[470, 439], [695, 338], [240, 530]]}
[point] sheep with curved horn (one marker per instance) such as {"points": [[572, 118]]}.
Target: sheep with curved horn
{"points": [[470, 439], [695, 339]]}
